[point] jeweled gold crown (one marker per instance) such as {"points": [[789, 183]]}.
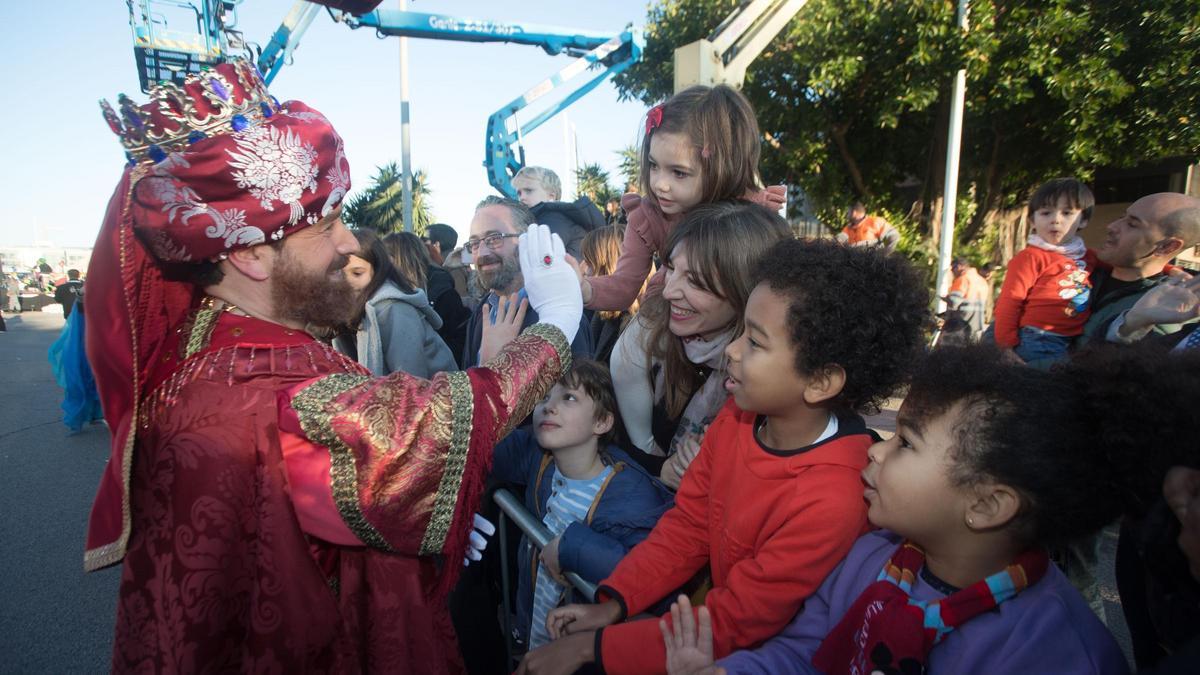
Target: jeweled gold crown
{"points": [[225, 99]]}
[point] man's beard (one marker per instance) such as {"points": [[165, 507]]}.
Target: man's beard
{"points": [[324, 299], [499, 280]]}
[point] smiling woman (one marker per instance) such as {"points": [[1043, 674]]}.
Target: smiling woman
{"points": [[669, 365]]}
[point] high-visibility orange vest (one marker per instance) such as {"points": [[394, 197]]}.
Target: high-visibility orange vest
{"points": [[869, 230]]}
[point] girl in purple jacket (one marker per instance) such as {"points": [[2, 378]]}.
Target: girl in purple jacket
{"points": [[991, 465]]}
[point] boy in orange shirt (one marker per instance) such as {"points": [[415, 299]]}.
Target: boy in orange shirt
{"points": [[1044, 301]]}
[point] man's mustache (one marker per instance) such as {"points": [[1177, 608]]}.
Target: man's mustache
{"points": [[488, 260], [338, 263]]}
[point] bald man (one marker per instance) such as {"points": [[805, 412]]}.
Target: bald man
{"points": [[1154, 230]]}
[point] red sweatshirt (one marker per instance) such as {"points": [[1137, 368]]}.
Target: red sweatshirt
{"points": [[770, 524], [1045, 290]]}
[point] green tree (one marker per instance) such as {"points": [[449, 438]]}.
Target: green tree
{"points": [[591, 180], [381, 206], [631, 166], [853, 98]]}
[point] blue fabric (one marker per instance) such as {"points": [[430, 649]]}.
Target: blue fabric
{"points": [[628, 510], [68, 359], [1042, 348], [568, 505]]}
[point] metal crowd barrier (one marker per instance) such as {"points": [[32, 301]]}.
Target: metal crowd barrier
{"points": [[512, 508]]}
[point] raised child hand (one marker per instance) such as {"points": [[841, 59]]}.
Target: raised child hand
{"points": [[510, 316], [688, 640]]}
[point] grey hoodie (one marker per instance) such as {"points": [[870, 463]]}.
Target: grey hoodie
{"points": [[399, 333]]}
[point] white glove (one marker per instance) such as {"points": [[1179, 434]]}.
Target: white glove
{"points": [[550, 283], [481, 530]]}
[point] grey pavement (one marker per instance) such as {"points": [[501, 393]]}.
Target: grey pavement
{"points": [[53, 617]]}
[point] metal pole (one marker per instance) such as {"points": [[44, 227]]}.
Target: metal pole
{"points": [[405, 145], [538, 534], [953, 148], [570, 180]]}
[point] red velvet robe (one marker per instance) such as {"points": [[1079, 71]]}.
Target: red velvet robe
{"points": [[290, 513]]}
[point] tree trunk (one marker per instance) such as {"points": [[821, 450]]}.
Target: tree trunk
{"points": [[935, 169], [1013, 230], [991, 193], [839, 139]]}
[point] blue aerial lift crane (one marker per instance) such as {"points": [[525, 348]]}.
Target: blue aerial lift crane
{"points": [[166, 53]]}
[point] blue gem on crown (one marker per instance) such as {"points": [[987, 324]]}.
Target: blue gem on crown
{"points": [[226, 99]]}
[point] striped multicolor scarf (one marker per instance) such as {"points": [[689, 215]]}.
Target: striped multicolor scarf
{"points": [[887, 629]]}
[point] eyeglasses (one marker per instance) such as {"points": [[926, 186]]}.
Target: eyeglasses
{"points": [[492, 241]]}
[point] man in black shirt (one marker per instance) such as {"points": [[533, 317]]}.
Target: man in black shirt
{"points": [[66, 294]]}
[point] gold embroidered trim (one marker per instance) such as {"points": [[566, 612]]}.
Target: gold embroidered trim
{"points": [[555, 337], [112, 553], [462, 411], [312, 408], [201, 332]]}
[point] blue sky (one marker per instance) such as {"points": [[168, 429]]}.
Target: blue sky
{"points": [[61, 163]]}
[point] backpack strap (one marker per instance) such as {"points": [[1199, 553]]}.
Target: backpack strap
{"points": [[547, 459], [616, 468]]}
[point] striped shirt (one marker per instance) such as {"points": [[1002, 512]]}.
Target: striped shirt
{"points": [[569, 503]]}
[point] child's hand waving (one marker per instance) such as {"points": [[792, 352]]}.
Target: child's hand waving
{"points": [[504, 328], [689, 640]]}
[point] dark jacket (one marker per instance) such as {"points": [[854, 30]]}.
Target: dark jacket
{"points": [[628, 509], [580, 346], [449, 305], [1108, 306], [570, 220]]}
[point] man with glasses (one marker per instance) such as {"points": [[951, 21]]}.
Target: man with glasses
{"points": [[492, 247]]}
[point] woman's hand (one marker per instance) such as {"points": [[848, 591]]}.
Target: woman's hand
{"points": [[688, 640], [574, 619], [509, 317], [677, 464]]}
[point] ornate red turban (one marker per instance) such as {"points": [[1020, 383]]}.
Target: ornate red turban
{"points": [[215, 165]]}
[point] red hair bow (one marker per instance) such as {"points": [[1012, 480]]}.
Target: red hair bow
{"points": [[654, 118]]}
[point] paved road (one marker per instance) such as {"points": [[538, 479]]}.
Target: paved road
{"points": [[53, 618]]}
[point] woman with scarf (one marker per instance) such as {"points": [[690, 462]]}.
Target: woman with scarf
{"points": [[668, 366]]}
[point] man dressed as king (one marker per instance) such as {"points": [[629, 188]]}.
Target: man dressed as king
{"points": [[275, 507]]}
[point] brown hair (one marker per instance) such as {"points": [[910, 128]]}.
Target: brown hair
{"points": [[1078, 196], [594, 379], [410, 257], [721, 124], [601, 248], [724, 242]]}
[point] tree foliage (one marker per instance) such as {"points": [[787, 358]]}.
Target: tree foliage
{"points": [[591, 180], [630, 167], [381, 206], [854, 96]]}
